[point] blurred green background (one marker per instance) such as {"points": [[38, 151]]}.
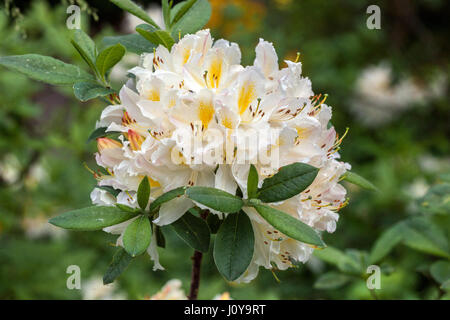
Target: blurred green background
{"points": [[389, 86]]}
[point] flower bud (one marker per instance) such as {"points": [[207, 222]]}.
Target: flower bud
{"points": [[107, 143]]}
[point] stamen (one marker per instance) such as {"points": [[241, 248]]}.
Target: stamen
{"points": [[130, 198], [111, 173], [205, 75], [339, 141], [257, 106], [96, 175], [154, 134], [325, 96], [274, 275]]}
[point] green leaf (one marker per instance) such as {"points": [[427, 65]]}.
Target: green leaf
{"points": [[143, 193], [385, 243], [88, 90], [331, 280], [194, 231], [156, 37], [175, 9], [46, 69], [127, 208], [437, 200], [215, 199], [252, 182], [160, 239], [166, 13], [109, 57], [417, 233], [137, 236], [148, 32], [288, 182], [120, 262], [289, 225], [85, 43], [360, 258], [111, 190], [213, 222], [135, 10], [100, 133], [446, 286], [338, 258], [234, 246], [440, 271], [181, 9], [172, 194], [132, 42], [359, 181], [423, 235], [445, 177], [165, 38], [91, 218], [85, 47], [190, 16]]}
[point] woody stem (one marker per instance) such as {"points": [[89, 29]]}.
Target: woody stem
{"points": [[195, 278], [196, 265]]}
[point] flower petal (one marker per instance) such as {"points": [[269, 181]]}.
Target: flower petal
{"points": [[152, 251], [173, 210]]}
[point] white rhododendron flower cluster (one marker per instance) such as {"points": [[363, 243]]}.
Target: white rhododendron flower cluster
{"points": [[196, 116]]}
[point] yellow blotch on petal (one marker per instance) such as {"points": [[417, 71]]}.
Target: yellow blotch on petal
{"points": [[214, 73], [107, 143], [205, 113], [172, 103], [153, 95], [186, 55], [153, 183], [303, 133], [246, 95], [227, 123]]}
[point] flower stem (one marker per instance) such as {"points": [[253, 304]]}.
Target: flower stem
{"points": [[195, 278], [196, 265]]}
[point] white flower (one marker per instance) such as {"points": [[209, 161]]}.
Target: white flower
{"points": [[223, 296], [10, 169], [94, 289], [195, 116], [432, 164], [377, 100], [171, 291], [38, 227], [417, 189]]}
